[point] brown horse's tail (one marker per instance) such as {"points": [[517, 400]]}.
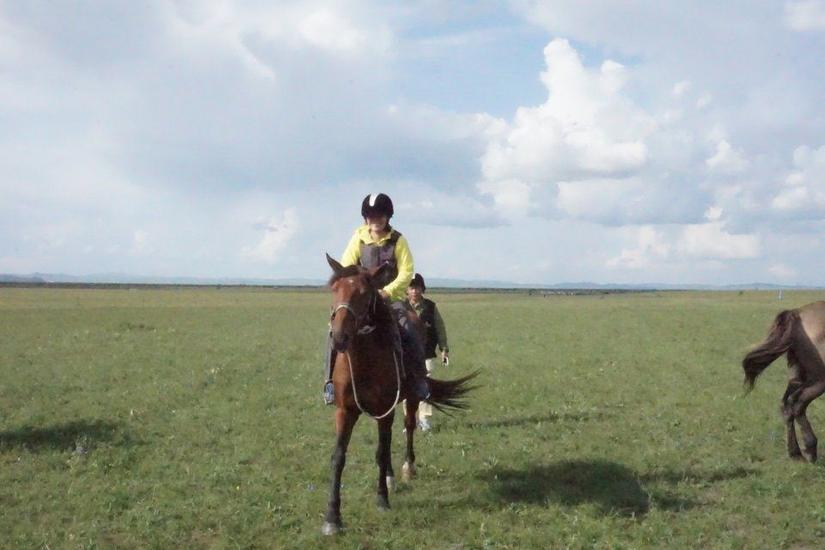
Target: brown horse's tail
{"points": [[779, 340], [449, 395]]}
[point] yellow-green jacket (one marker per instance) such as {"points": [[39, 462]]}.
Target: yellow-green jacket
{"points": [[396, 288]]}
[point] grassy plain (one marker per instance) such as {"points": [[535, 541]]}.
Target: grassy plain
{"points": [[192, 418]]}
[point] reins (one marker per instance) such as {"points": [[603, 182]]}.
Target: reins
{"points": [[397, 388], [364, 330]]}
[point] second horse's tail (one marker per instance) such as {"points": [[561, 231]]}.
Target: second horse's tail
{"points": [[447, 395], [779, 340]]}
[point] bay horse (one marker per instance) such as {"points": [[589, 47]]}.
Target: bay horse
{"points": [[368, 378], [800, 334]]}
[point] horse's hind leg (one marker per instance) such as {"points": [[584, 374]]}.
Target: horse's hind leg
{"points": [[800, 407], [793, 445], [382, 458], [794, 386], [344, 422], [408, 469]]}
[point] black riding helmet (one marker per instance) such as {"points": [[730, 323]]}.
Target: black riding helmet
{"points": [[418, 282], [379, 204]]}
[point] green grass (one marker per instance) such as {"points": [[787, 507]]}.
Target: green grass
{"points": [[193, 418]]}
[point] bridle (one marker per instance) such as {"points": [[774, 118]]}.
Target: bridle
{"points": [[363, 321]]}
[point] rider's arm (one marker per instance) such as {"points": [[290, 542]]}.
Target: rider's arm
{"points": [[352, 254], [404, 262], [440, 331]]}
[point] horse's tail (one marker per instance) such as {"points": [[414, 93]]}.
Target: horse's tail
{"points": [[449, 395], [779, 340]]}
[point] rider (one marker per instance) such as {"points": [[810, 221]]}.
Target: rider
{"points": [[373, 244], [436, 337]]}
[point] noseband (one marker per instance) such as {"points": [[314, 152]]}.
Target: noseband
{"points": [[363, 323]]}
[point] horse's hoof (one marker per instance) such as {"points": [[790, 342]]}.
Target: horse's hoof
{"points": [[797, 457], [407, 472], [391, 485], [383, 504], [329, 528]]}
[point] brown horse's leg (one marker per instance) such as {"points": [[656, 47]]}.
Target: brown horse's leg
{"points": [[382, 458], [800, 407], [793, 445], [794, 385], [344, 422], [411, 409]]}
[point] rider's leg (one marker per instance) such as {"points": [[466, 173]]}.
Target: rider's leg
{"points": [[425, 410], [413, 353]]}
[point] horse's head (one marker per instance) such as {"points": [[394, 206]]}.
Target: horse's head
{"points": [[354, 300]]}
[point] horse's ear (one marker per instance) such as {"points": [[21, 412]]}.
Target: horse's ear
{"points": [[336, 267], [377, 272]]}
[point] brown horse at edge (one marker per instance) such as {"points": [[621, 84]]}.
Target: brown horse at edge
{"points": [[367, 378], [799, 333]]}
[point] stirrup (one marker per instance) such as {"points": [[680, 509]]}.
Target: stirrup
{"points": [[329, 393]]}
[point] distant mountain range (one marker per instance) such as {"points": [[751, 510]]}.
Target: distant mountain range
{"points": [[115, 278]]}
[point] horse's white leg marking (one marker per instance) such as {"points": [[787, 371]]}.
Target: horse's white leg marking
{"points": [[407, 472]]}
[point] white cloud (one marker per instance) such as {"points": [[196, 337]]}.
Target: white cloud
{"points": [[805, 15], [803, 190], [682, 245], [631, 200], [711, 241], [612, 161], [434, 207], [650, 248], [510, 196], [793, 198], [782, 271], [585, 128], [727, 160], [277, 234], [141, 244], [249, 30], [331, 31], [714, 213], [680, 88]]}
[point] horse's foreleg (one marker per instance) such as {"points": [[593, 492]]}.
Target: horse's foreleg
{"points": [[344, 422], [800, 408], [408, 469], [382, 458]]}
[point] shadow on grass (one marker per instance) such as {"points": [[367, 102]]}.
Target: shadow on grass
{"points": [[551, 418], [613, 488], [60, 436]]}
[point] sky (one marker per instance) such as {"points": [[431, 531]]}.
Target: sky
{"points": [[525, 141]]}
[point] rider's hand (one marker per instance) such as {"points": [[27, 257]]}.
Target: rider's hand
{"points": [[445, 358], [383, 293]]}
